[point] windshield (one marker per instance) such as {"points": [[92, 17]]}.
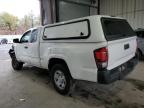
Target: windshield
{"points": [[116, 29]]}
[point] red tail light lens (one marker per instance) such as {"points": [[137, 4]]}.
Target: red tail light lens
{"points": [[101, 57]]}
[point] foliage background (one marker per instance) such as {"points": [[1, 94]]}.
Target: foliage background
{"points": [[12, 25]]}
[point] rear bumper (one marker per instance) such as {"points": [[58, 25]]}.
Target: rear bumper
{"points": [[118, 73]]}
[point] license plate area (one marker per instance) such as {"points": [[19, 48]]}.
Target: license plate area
{"points": [[124, 69]]}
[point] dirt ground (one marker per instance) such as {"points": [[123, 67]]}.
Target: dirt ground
{"points": [[31, 88]]}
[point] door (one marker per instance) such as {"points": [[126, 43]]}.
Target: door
{"points": [[33, 48], [21, 49]]}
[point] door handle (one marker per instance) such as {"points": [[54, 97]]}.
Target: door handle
{"points": [[25, 47], [126, 46]]}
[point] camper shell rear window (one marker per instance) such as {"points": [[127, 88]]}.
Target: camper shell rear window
{"points": [[116, 29]]}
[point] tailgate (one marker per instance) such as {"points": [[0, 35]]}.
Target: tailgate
{"points": [[121, 41], [120, 51]]}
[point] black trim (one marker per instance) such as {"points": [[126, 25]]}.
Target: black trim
{"points": [[67, 38]]}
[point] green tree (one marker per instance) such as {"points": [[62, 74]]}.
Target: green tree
{"points": [[9, 21], [30, 21], [27, 21]]}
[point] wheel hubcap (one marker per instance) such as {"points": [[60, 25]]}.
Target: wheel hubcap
{"points": [[59, 79]]}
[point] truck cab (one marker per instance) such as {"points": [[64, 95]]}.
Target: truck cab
{"points": [[27, 50]]}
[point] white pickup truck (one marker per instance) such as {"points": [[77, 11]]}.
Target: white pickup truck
{"points": [[95, 48]]}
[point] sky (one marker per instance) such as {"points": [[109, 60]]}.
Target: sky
{"points": [[20, 8]]}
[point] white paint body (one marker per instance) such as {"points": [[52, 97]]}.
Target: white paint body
{"points": [[77, 53]]}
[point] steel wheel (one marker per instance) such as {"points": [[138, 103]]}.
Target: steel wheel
{"points": [[59, 79]]}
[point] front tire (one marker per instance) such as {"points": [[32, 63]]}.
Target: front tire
{"points": [[16, 64], [61, 79]]}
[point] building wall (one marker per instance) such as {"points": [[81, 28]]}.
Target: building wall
{"points": [[48, 13], [132, 10], [61, 10], [72, 9]]}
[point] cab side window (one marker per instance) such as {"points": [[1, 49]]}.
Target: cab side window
{"points": [[33, 37], [26, 37]]}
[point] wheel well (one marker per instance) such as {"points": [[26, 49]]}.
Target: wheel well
{"points": [[54, 61]]}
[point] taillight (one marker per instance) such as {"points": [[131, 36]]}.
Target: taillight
{"points": [[101, 57]]}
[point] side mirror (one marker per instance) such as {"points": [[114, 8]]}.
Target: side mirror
{"points": [[16, 40]]}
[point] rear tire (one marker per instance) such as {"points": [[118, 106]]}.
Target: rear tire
{"points": [[16, 64], [61, 79]]}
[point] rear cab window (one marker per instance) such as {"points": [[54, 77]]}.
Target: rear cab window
{"points": [[116, 29]]}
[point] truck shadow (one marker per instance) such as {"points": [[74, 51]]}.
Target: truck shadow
{"points": [[92, 94], [36, 74]]}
